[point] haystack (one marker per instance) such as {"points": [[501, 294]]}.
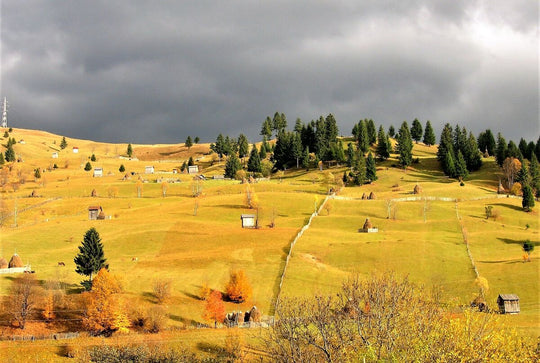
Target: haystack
{"points": [[16, 261], [417, 189], [372, 196], [367, 224], [94, 193], [364, 196], [255, 315], [500, 189], [101, 215], [3, 263]]}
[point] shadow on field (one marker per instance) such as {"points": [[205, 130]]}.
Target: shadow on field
{"points": [[517, 241], [229, 206], [192, 296], [186, 322], [514, 207], [210, 348]]}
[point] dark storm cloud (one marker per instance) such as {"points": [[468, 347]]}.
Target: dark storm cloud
{"points": [[145, 71]]}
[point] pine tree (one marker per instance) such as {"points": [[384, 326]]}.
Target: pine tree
{"points": [[445, 143], [524, 148], [254, 162], [91, 257], [534, 174], [359, 168], [429, 134], [197, 139], [266, 129], [37, 173], [391, 131], [528, 199], [460, 166], [129, 151], [2, 161], [371, 131], [523, 175], [93, 157], [474, 159], [382, 148], [188, 143], [262, 152], [486, 142], [512, 151], [243, 146], [10, 153], [305, 158], [404, 146], [500, 151], [298, 126], [63, 143], [190, 161], [416, 130], [449, 166], [232, 166], [122, 168], [371, 169], [389, 147], [350, 154], [362, 139], [88, 166]]}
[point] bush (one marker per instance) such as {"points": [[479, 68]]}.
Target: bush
{"points": [[156, 319], [88, 166], [122, 168], [162, 290]]}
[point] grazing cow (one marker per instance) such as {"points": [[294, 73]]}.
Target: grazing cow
{"points": [[61, 264]]}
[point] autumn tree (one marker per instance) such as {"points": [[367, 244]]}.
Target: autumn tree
{"points": [[22, 300], [511, 167], [528, 247], [252, 201], [162, 290], [91, 257], [238, 289], [104, 313], [214, 309]]}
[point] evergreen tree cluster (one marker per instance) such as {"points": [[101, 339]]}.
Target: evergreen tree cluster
{"points": [[458, 152], [525, 150]]}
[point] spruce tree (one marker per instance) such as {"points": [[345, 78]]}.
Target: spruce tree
{"points": [[371, 131], [129, 151], [534, 173], [359, 168], [486, 142], [63, 143], [197, 139], [445, 144], [528, 199], [2, 161], [91, 257], [254, 162], [243, 146], [404, 146], [524, 148], [391, 131], [122, 168], [522, 176], [460, 166], [188, 143], [389, 147], [512, 151], [93, 157], [362, 139], [305, 158], [298, 126], [500, 150], [382, 148], [371, 169], [88, 166], [10, 153], [232, 166], [416, 130], [262, 152], [190, 161], [449, 167], [429, 134], [350, 154], [266, 129], [474, 159]]}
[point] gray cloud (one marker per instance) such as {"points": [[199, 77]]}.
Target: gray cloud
{"points": [[144, 71]]}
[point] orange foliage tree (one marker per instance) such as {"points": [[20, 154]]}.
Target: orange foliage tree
{"points": [[104, 314], [238, 288], [215, 308]]}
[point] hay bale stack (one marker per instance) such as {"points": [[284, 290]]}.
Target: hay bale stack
{"points": [[94, 193], [3, 263], [101, 215], [364, 196], [367, 224], [255, 315], [372, 196], [417, 189], [16, 261]]}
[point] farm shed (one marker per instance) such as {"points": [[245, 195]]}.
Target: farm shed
{"points": [[249, 220], [55, 155], [193, 169], [508, 303], [149, 169], [98, 172], [94, 211]]}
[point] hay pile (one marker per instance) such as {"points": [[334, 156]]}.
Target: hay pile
{"points": [[3, 263], [417, 189], [372, 196], [364, 196], [16, 261], [94, 193], [367, 224]]}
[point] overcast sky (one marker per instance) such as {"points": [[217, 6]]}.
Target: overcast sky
{"points": [[158, 71]]}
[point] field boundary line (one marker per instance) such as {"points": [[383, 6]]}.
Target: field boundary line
{"points": [[298, 235]]}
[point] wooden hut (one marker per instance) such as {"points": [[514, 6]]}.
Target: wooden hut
{"points": [[94, 211], [249, 220], [508, 303], [193, 169], [98, 172]]}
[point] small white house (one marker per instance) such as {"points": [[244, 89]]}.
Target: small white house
{"points": [[55, 155], [193, 169], [75, 150], [98, 172], [249, 220], [149, 169]]}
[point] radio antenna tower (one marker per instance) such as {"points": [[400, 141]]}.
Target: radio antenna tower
{"points": [[4, 114]]}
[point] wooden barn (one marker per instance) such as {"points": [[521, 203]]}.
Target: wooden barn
{"points": [[249, 220], [94, 211], [98, 172], [508, 303], [193, 169]]}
